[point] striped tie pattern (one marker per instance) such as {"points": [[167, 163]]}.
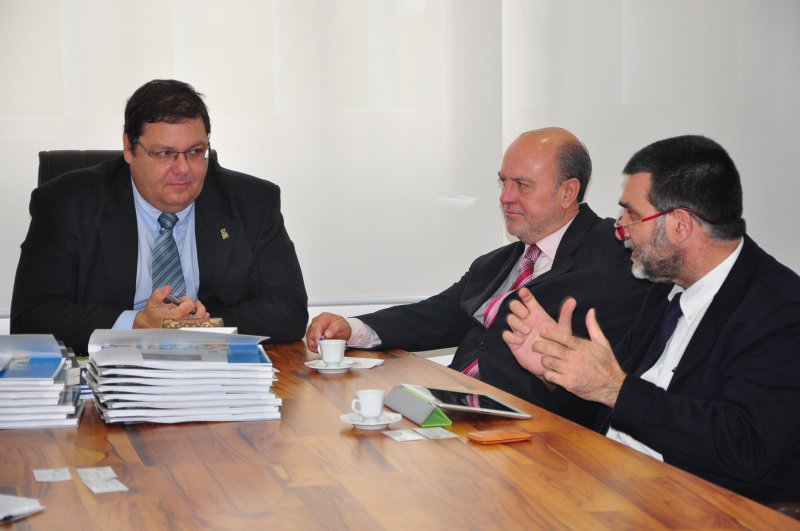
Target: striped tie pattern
{"points": [[525, 275], [166, 260]]}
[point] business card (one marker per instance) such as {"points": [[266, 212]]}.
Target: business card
{"points": [[404, 435], [51, 474], [436, 433]]}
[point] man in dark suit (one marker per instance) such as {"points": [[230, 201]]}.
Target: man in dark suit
{"points": [[87, 260], [544, 176], [708, 377]]}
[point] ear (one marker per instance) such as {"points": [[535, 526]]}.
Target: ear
{"points": [[569, 192], [127, 148], [683, 225]]}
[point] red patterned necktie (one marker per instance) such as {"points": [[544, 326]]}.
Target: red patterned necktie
{"points": [[525, 275]]}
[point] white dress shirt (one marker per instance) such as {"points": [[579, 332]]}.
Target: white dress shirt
{"points": [[363, 336], [694, 303]]}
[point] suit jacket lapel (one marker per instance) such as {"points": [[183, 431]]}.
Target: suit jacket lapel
{"points": [[215, 233], [499, 269], [570, 242], [644, 328], [563, 262], [725, 302], [119, 238]]}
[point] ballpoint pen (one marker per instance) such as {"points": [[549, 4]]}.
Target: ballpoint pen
{"points": [[175, 300]]}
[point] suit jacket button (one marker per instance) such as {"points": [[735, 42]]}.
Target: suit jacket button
{"points": [[482, 346]]}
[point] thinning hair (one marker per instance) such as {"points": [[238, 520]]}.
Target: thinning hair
{"points": [[574, 162]]}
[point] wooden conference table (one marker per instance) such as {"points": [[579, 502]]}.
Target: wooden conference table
{"points": [[310, 471]]}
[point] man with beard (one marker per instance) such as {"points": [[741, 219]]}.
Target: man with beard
{"points": [[708, 377], [567, 248]]}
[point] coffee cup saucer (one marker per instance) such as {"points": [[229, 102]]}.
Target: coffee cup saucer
{"points": [[319, 365], [377, 423]]}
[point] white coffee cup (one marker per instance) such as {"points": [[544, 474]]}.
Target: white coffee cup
{"points": [[332, 351], [368, 403]]}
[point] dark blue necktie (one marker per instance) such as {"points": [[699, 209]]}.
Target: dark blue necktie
{"points": [[166, 260], [668, 323]]}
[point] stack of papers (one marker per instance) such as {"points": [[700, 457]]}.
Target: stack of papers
{"points": [[170, 376], [34, 373]]}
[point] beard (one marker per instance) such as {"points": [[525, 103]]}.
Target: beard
{"points": [[658, 261]]}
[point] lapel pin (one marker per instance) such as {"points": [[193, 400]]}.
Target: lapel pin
{"points": [[224, 233]]}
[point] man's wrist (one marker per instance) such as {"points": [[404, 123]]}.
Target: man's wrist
{"points": [[612, 393], [141, 320]]}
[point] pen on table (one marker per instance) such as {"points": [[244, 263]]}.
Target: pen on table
{"points": [[175, 300]]}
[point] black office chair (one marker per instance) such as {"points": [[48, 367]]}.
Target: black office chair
{"points": [[54, 163]]}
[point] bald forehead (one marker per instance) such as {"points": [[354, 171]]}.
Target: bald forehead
{"points": [[540, 138], [535, 148]]}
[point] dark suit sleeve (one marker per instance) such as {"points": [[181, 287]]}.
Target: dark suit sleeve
{"points": [[263, 292], [436, 322], [49, 294]]}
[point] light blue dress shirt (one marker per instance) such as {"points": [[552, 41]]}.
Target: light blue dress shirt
{"points": [[148, 228]]}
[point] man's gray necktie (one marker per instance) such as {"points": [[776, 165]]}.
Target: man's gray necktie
{"points": [[166, 260]]}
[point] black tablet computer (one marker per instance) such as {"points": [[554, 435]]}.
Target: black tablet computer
{"points": [[451, 400]]}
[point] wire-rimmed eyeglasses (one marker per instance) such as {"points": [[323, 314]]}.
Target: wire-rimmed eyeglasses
{"points": [[168, 156]]}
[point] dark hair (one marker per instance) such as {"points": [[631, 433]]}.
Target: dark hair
{"points": [[695, 172], [163, 100], [574, 162]]}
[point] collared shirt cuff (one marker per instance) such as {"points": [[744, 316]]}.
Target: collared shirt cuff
{"points": [[363, 336], [125, 320]]}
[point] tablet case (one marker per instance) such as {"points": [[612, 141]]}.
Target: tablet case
{"points": [[499, 436], [415, 407]]}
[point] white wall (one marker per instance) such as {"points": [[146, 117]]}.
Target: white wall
{"points": [[396, 112], [373, 117], [624, 73]]}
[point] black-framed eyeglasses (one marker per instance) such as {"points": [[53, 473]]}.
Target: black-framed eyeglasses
{"points": [[167, 156], [622, 228]]}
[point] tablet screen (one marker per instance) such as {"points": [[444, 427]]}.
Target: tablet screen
{"points": [[448, 397]]}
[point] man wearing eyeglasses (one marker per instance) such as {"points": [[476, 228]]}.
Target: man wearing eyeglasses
{"points": [[563, 247], [708, 377], [161, 232]]}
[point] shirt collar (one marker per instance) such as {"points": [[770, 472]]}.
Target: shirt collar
{"points": [[700, 294], [151, 213], [549, 244]]}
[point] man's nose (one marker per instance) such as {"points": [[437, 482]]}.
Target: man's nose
{"points": [[507, 194], [181, 162]]}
